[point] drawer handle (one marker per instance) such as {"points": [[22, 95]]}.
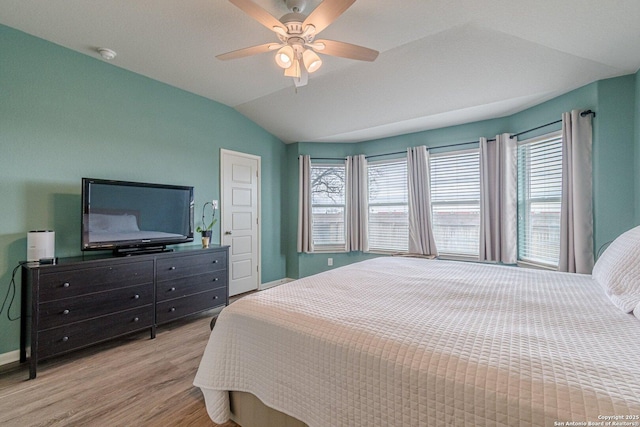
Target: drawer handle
{"points": [[65, 285], [173, 288], [65, 339], [215, 297], [172, 268], [172, 309], [65, 312], [136, 319], [215, 261], [216, 279], [136, 296]]}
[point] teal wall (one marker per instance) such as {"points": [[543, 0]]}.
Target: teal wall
{"points": [[615, 173], [64, 116], [613, 159]]}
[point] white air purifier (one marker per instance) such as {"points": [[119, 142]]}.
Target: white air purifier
{"points": [[41, 244]]}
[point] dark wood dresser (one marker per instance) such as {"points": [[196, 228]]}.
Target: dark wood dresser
{"points": [[82, 301]]}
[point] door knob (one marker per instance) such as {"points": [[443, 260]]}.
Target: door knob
{"points": [[227, 232]]}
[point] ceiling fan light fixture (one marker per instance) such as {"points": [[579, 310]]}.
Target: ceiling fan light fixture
{"points": [[294, 70], [284, 57], [296, 51], [312, 61]]}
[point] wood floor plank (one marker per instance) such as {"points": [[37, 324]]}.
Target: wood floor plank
{"points": [[133, 381]]}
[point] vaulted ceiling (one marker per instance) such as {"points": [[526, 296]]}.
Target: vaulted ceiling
{"points": [[441, 63]]}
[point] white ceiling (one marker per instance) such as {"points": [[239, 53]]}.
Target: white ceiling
{"points": [[441, 62]]}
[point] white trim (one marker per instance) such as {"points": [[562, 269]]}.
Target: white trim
{"points": [[275, 283], [329, 249], [224, 151], [460, 257], [536, 266], [9, 357], [389, 252]]}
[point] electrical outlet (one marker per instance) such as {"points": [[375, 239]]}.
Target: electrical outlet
{"points": [[214, 203], [329, 262]]}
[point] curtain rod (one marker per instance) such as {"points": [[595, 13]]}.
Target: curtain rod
{"points": [[583, 114], [399, 152]]}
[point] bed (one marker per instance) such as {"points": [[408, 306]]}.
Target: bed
{"points": [[413, 342]]}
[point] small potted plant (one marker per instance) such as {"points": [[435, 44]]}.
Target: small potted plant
{"points": [[205, 230]]}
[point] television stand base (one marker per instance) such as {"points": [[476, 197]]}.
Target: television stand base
{"points": [[141, 251]]}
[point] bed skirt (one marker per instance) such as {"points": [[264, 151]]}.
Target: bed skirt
{"points": [[249, 411]]}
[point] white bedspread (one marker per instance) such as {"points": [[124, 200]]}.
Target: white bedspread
{"points": [[414, 342]]}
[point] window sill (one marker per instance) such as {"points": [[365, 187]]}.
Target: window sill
{"points": [[328, 250], [451, 257], [383, 252], [536, 266]]}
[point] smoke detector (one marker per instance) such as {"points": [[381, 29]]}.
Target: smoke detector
{"points": [[107, 54]]}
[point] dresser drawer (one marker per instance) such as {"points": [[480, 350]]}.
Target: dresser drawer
{"points": [[180, 307], [170, 289], [80, 334], [184, 266], [68, 283], [69, 310]]}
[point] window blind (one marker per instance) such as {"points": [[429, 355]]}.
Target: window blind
{"points": [[388, 206], [328, 206], [539, 195], [455, 202]]}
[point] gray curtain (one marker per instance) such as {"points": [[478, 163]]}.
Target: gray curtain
{"points": [[421, 240], [305, 223], [576, 212], [356, 200], [499, 199]]}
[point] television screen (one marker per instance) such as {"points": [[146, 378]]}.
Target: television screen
{"points": [[121, 215]]}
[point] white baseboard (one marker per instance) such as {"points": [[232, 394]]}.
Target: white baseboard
{"points": [[275, 283], [10, 357]]}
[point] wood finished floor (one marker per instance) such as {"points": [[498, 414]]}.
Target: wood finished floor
{"points": [[133, 381]]}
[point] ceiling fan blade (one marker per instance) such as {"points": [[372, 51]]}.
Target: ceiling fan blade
{"points": [[247, 51], [326, 12], [258, 13], [346, 50]]}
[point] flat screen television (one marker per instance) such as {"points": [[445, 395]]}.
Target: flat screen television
{"points": [[134, 217]]}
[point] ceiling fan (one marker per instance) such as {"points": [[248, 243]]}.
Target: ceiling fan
{"points": [[297, 47]]}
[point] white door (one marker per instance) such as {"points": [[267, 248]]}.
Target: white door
{"points": [[240, 222]]}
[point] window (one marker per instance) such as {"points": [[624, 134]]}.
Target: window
{"points": [[455, 202], [388, 206], [328, 207], [539, 192]]}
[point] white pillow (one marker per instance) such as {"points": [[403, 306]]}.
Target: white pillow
{"points": [[618, 270], [636, 311]]}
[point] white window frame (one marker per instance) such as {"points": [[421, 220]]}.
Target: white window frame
{"points": [[369, 204], [456, 255], [524, 261], [329, 247]]}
